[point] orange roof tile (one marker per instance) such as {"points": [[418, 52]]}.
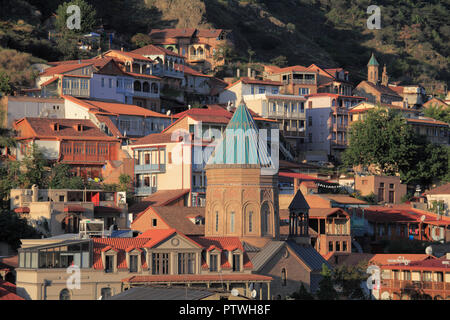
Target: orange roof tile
{"points": [[119, 245], [444, 189], [151, 49], [200, 277], [60, 69]]}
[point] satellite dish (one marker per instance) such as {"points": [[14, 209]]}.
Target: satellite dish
{"points": [[235, 292], [168, 112], [253, 294], [422, 218], [429, 250]]}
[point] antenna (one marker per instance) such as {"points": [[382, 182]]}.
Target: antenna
{"points": [[168, 112], [429, 250]]}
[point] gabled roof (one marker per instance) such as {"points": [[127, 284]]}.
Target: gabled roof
{"points": [[240, 143], [154, 138], [115, 108], [266, 254], [443, 189], [247, 80], [162, 293], [132, 55], [42, 128], [175, 217], [381, 89], [60, 69], [152, 50]]}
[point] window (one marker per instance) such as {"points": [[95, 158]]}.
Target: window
{"points": [[338, 246], [103, 82], [236, 262], [252, 90], [283, 277], [427, 276], [217, 221], [154, 222], [330, 246], [310, 121], [133, 263], [250, 221], [110, 83], [391, 196], [160, 263], [407, 275], [213, 262], [274, 90], [232, 221], [105, 293], [344, 246], [302, 107], [64, 294], [109, 263], [262, 90], [186, 263], [439, 277]]}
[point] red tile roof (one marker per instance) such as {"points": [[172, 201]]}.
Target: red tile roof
{"points": [[208, 33], [333, 95], [120, 245], [140, 75], [442, 264], [444, 189], [42, 128], [154, 138], [388, 258], [7, 295], [424, 120], [200, 277], [131, 54], [46, 83], [115, 108], [63, 68], [401, 214], [302, 176], [111, 126], [150, 50], [22, 210]]}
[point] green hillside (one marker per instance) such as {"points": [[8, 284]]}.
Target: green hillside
{"points": [[413, 40]]}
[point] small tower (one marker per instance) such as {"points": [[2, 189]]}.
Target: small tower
{"points": [[372, 70], [384, 77], [240, 200], [299, 219]]}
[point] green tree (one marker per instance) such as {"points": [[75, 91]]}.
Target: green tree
{"points": [[280, 61], [141, 40], [13, 228], [384, 139], [350, 278], [440, 113], [326, 289], [302, 294], [224, 52], [61, 178], [33, 168], [5, 86]]}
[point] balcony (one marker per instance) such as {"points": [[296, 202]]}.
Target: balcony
{"points": [[76, 92], [339, 144], [150, 168], [300, 81], [340, 127], [144, 191], [198, 167], [416, 285]]}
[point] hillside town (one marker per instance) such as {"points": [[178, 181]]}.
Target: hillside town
{"points": [[142, 172]]}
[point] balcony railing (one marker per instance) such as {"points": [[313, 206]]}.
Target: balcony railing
{"points": [[76, 92], [299, 81], [149, 168], [415, 285], [144, 191]]}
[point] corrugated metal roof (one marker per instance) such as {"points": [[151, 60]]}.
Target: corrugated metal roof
{"points": [[149, 293], [249, 247], [308, 255], [299, 202], [266, 253]]}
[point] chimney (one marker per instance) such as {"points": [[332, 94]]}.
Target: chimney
{"points": [[249, 72], [238, 73], [121, 48], [253, 74]]}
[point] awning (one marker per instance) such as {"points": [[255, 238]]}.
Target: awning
{"points": [[22, 210]]}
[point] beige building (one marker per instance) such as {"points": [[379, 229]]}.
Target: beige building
{"points": [[59, 211], [441, 195], [386, 188]]}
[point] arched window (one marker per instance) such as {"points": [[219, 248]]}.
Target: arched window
{"points": [[283, 277], [217, 221], [232, 220], [137, 86], [265, 218], [200, 51], [64, 294], [154, 88], [250, 221], [333, 103], [105, 293], [146, 87]]}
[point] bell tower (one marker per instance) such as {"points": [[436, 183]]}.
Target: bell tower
{"points": [[372, 70], [384, 77], [241, 198]]}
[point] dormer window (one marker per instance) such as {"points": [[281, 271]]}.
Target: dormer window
{"points": [[55, 126], [79, 127]]}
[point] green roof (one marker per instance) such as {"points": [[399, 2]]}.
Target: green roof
{"points": [[373, 61], [240, 142]]}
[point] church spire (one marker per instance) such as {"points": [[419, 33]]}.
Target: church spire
{"points": [[372, 70]]}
